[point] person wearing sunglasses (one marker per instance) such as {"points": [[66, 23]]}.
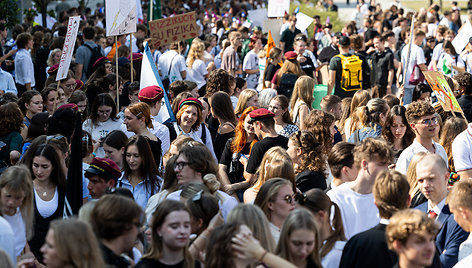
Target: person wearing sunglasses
{"points": [[276, 199], [422, 119]]}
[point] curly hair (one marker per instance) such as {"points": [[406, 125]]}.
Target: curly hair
{"points": [[195, 52], [465, 80], [319, 122], [240, 136], [219, 80], [387, 134], [312, 157], [418, 109], [11, 118]]}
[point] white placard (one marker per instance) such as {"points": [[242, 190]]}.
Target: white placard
{"points": [[462, 37], [257, 16], [277, 8], [121, 17], [273, 25], [68, 49], [303, 21]]}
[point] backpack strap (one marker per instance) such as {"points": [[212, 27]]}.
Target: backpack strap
{"points": [[204, 134]]}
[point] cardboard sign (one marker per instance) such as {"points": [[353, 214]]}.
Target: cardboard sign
{"points": [[173, 29], [277, 8], [442, 90], [120, 16], [68, 49]]}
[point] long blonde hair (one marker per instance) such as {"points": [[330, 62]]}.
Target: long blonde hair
{"points": [[303, 90], [276, 163], [244, 97], [292, 67], [195, 52], [359, 99]]}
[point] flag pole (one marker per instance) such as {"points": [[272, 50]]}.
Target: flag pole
{"points": [[131, 54], [150, 11], [116, 73]]}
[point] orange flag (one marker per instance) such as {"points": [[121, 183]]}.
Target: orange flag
{"points": [[270, 44]]}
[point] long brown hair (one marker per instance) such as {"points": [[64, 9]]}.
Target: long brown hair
{"points": [[11, 118], [452, 127], [312, 157], [292, 67]]}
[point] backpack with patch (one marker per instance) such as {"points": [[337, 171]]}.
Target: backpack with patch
{"points": [[351, 75], [287, 82], [96, 54]]}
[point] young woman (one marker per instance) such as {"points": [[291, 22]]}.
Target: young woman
{"points": [[299, 240], [141, 175], [11, 122], [114, 146], [396, 131], [450, 63], [330, 225], [237, 149], [301, 100], [170, 233], [30, 103], [417, 197], [196, 68], [68, 85], [251, 63], [50, 99], [276, 199], [321, 124], [292, 71], [422, 92], [370, 119], [71, 243], [79, 98], [283, 123], [203, 207], [137, 118], [247, 98], [359, 99], [309, 161], [102, 119], [49, 193], [222, 110], [275, 56], [276, 163], [452, 127], [54, 58], [16, 204]]}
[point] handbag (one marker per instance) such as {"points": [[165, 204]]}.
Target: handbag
{"points": [[416, 76]]}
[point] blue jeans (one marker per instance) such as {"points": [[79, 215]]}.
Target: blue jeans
{"points": [[408, 95]]}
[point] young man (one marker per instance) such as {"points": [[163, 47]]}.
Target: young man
{"points": [[230, 61], [116, 220], [331, 50], [443, 33], [410, 234], [84, 54], [432, 177], [462, 153], [465, 90], [369, 248], [460, 204], [172, 64], [263, 122], [288, 36], [24, 69], [336, 69], [306, 63], [422, 119], [382, 67], [102, 174], [355, 199], [341, 163]]}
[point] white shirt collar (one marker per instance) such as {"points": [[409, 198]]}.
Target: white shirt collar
{"points": [[438, 208], [384, 221]]}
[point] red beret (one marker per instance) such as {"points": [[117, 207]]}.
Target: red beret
{"points": [[73, 106], [190, 101], [100, 61], [260, 114], [136, 57], [151, 94], [291, 55], [53, 69], [104, 168], [79, 84]]}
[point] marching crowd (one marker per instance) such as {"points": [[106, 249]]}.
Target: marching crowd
{"points": [[256, 170]]}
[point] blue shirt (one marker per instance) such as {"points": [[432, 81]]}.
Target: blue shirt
{"points": [[6, 82], [141, 193], [366, 132]]}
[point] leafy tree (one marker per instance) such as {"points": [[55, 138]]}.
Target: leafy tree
{"points": [[9, 12]]}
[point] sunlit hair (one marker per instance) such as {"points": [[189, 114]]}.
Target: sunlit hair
{"points": [[219, 80], [276, 163], [140, 110], [256, 220], [244, 97], [460, 195], [346, 111], [311, 157], [387, 134], [303, 90], [371, 149], [199, 120], [411, 173], [283, 102], [391, 192], [407, 222], [292, 67], [18, 182], [240, 135], [268, 192], [319, 123], [50, 61], [369, 115], [299, 219], [195, 52], [76, 244], [158, 218], [451, 128], [360, 98], [317, 200]]}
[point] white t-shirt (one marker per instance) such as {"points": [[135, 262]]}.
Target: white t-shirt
{"points": [[445, 60], [101, 130], [159, 130], [405, 157], [18, 226], [7, 241], [197, 73], [358, 211], [251, 62], [462, 150], [178, 65], [416, 58], [333, 258], [262, 64]]}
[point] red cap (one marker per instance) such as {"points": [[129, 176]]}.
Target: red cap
{"points": [[151, 94], [136, 57], [79, 84], [53, 69], [100, 61], [104, 168], [73, 106], [291, 55], [260, 114], [191, 101]]}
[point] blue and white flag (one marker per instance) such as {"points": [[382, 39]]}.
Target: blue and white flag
{"points": [[150, 77]]}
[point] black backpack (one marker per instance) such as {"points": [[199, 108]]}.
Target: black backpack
{"points": [[287, 82], [96, 54]]}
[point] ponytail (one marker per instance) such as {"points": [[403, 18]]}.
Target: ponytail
{"points": [[337, 226]]}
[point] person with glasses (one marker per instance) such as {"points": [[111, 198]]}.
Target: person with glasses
{"points": [[283, 122], [422, 119], [355, 199], [276, 199]]}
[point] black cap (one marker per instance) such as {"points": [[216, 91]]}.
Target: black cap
{"points": [[344, 41], [338, 34]]}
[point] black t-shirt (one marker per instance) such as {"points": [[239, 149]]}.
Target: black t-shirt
{"points": [[270, 72], [220, 142], [235, 169], [336, 65], [365, 69], [327, 53], [260, 148], [307, 180], [307, 66], [428, 54], [465, 101], [382, 62], [288, 38], [111, 259], [148, 263]]}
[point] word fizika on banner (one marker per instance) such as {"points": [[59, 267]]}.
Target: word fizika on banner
{"points": [[173, 29]]}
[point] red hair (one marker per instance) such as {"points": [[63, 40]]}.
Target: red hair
{"points": [[240, 136]]}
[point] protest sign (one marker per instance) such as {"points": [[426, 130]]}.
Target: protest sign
{"points": [[68, 49], [173, 29], [273, 25], [277, 8], [462, 38], [303, 21], [257, 16], [120, 16], [442, 90]]}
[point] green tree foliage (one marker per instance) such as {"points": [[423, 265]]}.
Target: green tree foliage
{"points": [[9, 12]]}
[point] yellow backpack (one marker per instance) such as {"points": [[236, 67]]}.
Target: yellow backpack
{"points": [[351, 76]]}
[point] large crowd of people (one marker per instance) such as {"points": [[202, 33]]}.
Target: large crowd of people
{"points": [[250, 173]]}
